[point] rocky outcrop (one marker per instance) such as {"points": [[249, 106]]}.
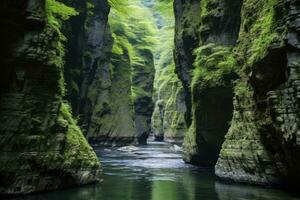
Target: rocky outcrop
{"points": [[187, 22], [168, 123], [110, 92], [262, 145], [115, 117], [93, 90], [142, 90], [168, 119], [41, 147], [206, 33]]}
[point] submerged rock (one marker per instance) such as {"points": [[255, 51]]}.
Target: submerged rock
{"points": [[176, 148], [128, 148]]}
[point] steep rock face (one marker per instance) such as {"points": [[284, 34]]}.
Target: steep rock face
{"points": [[116, 116], [142, 88], [206, 33], [99, 81], [168, 121], [41, 147], [95, 80], [110, 92], [187, 23], [262, 145]]}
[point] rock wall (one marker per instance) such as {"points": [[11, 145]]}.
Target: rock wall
{"points": [[41, 147], [205, 34], [168, 123], [187, 22], [91, 85], [168, 119], [110, 93], [142, 88], [262, 145], [260, 46]]}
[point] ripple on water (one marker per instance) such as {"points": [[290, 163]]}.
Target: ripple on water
{"points": [[156, 172]]}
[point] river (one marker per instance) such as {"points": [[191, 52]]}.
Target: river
{"points": [[157, 172]]}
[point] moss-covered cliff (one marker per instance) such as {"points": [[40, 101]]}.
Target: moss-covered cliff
{"points": [[41, 147], [262, 143], [263, 51], [205, 34], [168, 119], [110, 71]]}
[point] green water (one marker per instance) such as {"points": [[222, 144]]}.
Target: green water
{"points": [[157, 172]]}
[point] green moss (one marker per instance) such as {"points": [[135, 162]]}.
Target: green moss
{"points": [[190, 144], [213, 66], [138, 92], [77, 150], [259, 30], [58, 12], [208, 7], [134, 31]]}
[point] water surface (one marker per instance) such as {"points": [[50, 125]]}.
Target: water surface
{"points": [[157, 172]]}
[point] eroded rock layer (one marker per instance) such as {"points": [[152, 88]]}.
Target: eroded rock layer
{"points": [[257, 41], [41, 147], [168, 119], [262, 145], [110, 92], [206, 32]]}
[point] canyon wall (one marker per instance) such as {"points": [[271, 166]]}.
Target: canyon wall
{"points": [[206, 32], [55, 53], [168, 119], [110, 92], [41, 146], [262, 145], [250, 50]]}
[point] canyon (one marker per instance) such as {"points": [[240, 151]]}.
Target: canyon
{"points": [[218, 77]]}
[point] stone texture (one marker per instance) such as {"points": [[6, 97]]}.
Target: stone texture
{"points": [[41, 147], [261, 145], [205, 34], [100, 82], [168, 121], [142, 83], [266, 117], [187, 22]]}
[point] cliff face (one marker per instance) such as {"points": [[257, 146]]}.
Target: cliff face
{"points": [[92, 87], [168, 119], [110, 92], [264, 129], [258, 42], [88, 60], [207, 31], [168, 123], [187, 22], [41, 147], [142, 88]]}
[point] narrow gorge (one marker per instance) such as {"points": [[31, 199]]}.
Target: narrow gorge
{"points": [[150, 99]]}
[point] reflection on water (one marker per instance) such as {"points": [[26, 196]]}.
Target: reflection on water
{"points": [[156, 172]]}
